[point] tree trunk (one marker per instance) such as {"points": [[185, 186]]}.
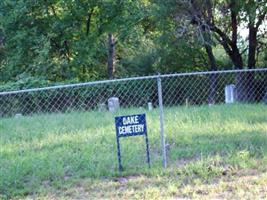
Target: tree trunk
{"points": [[231, 48], [250, 81], [252, 47], [88, 21], [111, 56], [213, 77]]}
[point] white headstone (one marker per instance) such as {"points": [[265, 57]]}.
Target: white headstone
{"points": [[229, 93], [18, 115], [150, 106], [113, 104], [186, 102]]}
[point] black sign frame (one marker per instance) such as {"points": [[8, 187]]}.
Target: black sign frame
{"points": [[131, 125]]}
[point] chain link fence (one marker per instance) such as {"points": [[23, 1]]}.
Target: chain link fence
{"points": [[215, 113], [67, 129]]}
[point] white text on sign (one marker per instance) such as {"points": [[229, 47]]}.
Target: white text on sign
{"points": [[130, 120], [131, 125], [130, 129]]}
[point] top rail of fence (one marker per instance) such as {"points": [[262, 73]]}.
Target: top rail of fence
{"points": [[130, 79]]}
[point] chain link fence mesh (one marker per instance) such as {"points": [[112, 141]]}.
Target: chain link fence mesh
{"points": [[74, 124], [67, 129], [214, 113]]}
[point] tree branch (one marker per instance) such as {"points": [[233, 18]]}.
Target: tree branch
{"points": [[224, 37], [88, 21], [261, 18], [233, 23], [224, 44]]}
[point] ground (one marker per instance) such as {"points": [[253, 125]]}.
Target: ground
{"points": [[213, 152]]}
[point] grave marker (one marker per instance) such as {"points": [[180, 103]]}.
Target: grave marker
{"points": [[230, 93], [113, 104]]}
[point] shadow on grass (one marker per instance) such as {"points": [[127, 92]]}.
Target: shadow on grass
{"points": [[63, 161], [57, 161], [204, 145]]}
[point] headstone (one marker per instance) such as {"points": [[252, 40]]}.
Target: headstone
{"points": [[18, 115], [102, 107], [230, 93], [150, 106], [186, 102], [265, 98], [113, 104]]}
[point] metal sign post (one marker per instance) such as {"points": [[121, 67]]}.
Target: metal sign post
{"points": [[131, 125]]}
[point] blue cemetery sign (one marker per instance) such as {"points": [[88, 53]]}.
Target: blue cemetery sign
{"points": [[131, 125]]}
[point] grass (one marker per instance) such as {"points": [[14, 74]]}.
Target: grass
{"points": [[73, 155]]}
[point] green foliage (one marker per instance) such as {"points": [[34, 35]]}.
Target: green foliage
{"points": [[66, 40]]}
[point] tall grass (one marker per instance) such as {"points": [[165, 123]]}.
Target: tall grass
{"points": [[57, 148]]}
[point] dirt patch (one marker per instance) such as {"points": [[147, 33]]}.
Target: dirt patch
{"points": [[126, 179], [244, 184]]}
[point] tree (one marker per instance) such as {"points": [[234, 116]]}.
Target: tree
{"points": [[225, 20], [64, 39], [231, 16], [111, 55], [184, 16]]}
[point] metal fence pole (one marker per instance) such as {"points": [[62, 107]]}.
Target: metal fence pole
{"points": [[161, 122]]}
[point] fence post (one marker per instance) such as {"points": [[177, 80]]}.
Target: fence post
{"points": [[161, 117]]}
